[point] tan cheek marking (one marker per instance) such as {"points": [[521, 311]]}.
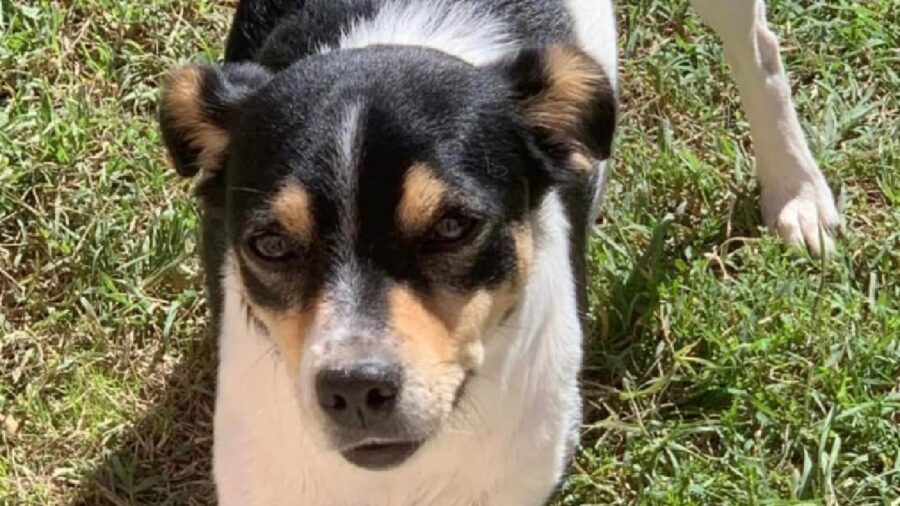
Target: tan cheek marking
{"points": [[182, 102], [422, 196], [426, 337], [470, 315], [289, 329], [573, 80], [291, 207], [449, 326], [462, 313]]}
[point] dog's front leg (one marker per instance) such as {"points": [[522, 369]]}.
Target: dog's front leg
{"points": [[796, 200]]}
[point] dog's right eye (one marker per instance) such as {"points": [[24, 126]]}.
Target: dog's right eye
{"points": [[271, 247]]}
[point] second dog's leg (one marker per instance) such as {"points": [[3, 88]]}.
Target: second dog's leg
{"points": [[796, 200]]}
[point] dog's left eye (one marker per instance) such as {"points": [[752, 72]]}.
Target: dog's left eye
{"points": [[451, 230], [271, 246]]}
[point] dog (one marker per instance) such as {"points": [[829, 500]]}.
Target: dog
{"points": [[396, 199]]}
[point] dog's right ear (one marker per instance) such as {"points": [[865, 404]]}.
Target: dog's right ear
{"points": [[196, 109], [566, 98]]}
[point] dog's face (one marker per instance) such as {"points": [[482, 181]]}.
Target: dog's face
{"points": [[376, 206]]}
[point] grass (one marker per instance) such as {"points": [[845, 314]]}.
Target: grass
{"points": [[721, 369]]}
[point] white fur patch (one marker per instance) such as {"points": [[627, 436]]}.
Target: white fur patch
{"points": [[452, 27], [347, 138], [595, 28]]}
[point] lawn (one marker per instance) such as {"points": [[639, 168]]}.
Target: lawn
{"points": [[721, 368]]}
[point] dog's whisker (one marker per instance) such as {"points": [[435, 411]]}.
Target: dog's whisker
{"points": [[241, 189]]}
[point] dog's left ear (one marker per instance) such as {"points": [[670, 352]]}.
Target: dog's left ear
{"points": [[566, 99]]}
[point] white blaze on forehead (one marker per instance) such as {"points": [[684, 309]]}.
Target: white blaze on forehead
{"points": [[456, 28], [344, 291], [346, 141]]}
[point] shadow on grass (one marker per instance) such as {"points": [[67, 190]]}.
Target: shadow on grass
{"points": [[165, 459], [621, 314]]}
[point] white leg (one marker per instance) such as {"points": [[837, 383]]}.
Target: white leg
{"points": [[796, 200]]}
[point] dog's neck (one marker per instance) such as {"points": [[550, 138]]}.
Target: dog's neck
{"points": [[459, 29]]}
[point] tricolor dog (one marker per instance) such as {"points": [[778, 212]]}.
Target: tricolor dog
{"points": [[396, 197]]}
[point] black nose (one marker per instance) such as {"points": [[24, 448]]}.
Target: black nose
{"points": [[361, 396]]}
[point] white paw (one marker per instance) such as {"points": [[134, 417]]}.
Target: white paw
{"points": [[803, 213]]}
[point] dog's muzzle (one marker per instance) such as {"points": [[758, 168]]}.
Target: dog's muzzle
{"points": [[361, 400]]}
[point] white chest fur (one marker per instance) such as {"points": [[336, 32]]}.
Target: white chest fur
{"points": [[507, 443]]}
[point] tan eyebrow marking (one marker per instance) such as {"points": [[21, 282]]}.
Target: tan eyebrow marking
{"points": [[291, 208], [422, 197]]}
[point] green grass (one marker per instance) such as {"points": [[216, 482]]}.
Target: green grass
{"points": [[721, 369]]}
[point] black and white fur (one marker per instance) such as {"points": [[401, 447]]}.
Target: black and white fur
{"points": [[510, 439]]}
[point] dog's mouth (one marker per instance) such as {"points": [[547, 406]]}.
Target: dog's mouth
{"points": [[382, 455], [392, 442]]}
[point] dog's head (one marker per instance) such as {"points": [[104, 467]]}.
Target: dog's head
{"points": [[376, 204]]}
